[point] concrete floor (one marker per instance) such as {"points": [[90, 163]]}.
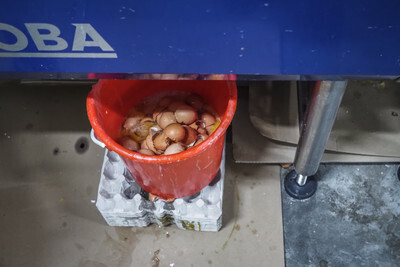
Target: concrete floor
{"points": [[352, 220], [49, 179]]}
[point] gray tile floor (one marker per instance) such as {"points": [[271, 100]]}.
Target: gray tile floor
{"points": [[48, 183], [352, 220]]}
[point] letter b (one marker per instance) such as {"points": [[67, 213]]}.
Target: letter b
{"points": [[40, 38]]}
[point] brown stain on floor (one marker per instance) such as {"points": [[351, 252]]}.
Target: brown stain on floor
{"points": [[235, 224], [272, 248], [155, 261], [79, 246], [254, 231]]}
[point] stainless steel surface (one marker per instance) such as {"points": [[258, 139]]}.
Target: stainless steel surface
{"points": [[301, 179], [304, 93], [239, 77], [320, 117], [250, 146]]}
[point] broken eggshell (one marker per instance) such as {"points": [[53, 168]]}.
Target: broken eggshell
{"points": [[198, 142], [174, 149], [212, 128], [185, 114], [131, 122], [175, 104], [199, 126], [201, 138], [169, 125], [157, 111], [146, 152], [129, 143], [208, 119], [150, 144], [190, 136], [161, 142], [166, 118], [175, 132], [143, 145], [155, 128]]}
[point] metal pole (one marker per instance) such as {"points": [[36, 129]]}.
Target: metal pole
{"points": [[320, 116], [315, 132], [301, 179]]}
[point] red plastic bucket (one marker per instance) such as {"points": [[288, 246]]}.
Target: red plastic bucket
{"points": [[170, 176]]}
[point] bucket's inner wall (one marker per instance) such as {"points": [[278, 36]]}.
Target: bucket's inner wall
{"points": [[114, 98]]}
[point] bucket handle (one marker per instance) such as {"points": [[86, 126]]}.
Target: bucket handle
{"points": [[95, 140]]}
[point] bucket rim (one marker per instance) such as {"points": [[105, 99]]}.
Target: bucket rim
{"points": [[165, 159]]}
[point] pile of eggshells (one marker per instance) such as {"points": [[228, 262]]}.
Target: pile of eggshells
{"points": [[168, 126]]}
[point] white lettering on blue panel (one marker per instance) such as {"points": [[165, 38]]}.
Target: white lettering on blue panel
{"points": [[49, 43]]}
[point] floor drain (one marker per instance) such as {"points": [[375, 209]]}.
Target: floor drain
{"points": [[82, 145]]}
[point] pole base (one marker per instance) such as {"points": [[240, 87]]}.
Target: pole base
{"points": [[398, 173], [295, 190]]}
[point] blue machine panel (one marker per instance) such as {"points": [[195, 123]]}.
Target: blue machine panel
{"points": [[242, 37]]}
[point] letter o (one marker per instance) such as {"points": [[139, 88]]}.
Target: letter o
{"points": [[22, 41]]}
